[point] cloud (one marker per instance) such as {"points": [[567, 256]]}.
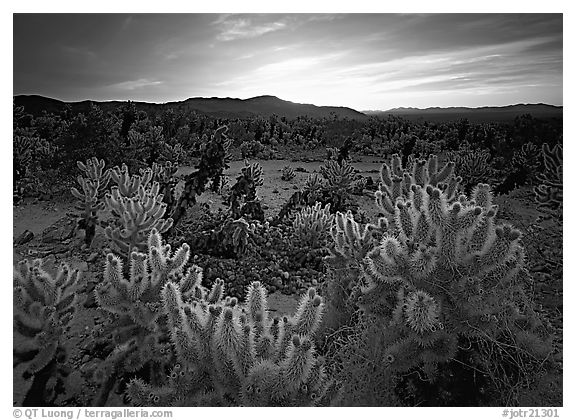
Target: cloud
{"points": [[232, 29], [134, 84], [127, 22], [78, 51]]}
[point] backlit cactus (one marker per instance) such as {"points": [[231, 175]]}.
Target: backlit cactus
{"points": [[397, 182], [134, 330], [233, 354], [138, 208], [444, 272], [93, 184], [312, 225], [44, 305]]}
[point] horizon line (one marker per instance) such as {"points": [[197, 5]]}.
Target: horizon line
{"points": [[285, 100]]}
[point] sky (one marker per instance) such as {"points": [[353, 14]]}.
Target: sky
{"points": [[363, 61]]}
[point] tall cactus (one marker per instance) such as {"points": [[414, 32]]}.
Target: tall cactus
{"points": [[93, 184], [214, 160], [133, 303]]}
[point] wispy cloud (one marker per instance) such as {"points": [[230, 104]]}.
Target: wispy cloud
{"points": [[233, 28], [134, 84], [127, 22], [78, 51]]}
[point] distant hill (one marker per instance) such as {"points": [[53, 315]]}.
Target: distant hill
{"points": [[216, 107], [482, 114]]}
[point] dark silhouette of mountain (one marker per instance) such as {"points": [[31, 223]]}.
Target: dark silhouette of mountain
{"points": [[482, 114], [216, 107]]}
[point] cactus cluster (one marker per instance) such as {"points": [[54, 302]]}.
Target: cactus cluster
{"points": [[332, 186], [396, 181], [93, 184], [132, 300], [44, 305], [165, 176], [288, 173], [233, 354], [136, 204], [443, 273], [243, 200], [339, 176], [473, 166], [312, 225], [454, 271], [549, 192], [213, 161], [527, 160], [229, 238]]}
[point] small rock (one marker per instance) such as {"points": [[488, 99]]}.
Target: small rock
{"points": [[24, 237], [92, 257]]}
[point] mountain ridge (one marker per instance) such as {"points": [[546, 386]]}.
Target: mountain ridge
{"points": [[264, 105], [479, 114]]}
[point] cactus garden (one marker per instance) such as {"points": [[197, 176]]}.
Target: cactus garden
{"points": [[229, 250], [329, 276]]}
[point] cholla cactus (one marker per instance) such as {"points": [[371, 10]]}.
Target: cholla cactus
{"points": [[550, 191], [44, 305], [352, 242], [455, 274], [244, 199], [134, 305], [137, 295], [338, 176], [288, 173], [473, 166], [213, 161], [396, 182], [234, 235], [312, 224], [93, 183], [232, 354], [331, 153], [165, 176], [527, 161], [443, 274], [138, 209]]}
